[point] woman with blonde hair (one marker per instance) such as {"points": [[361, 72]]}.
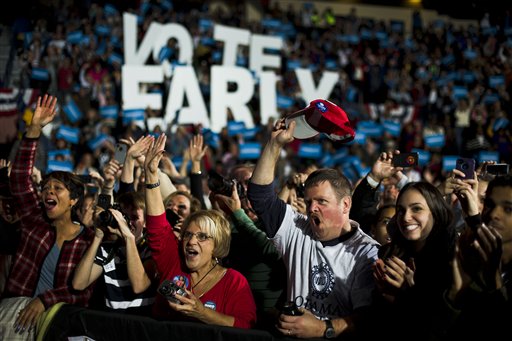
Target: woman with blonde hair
{"points": [[194, 284]]}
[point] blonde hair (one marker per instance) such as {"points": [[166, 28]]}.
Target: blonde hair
{"points": [[213, 223]]}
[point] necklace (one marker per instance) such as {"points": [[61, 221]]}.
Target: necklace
{"points": [[206, 274]]}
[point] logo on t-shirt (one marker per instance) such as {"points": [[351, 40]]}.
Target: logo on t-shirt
{"points": [[210, 305], [322, 280]]}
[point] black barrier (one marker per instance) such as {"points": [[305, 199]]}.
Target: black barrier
{"points": [[73, 321]]}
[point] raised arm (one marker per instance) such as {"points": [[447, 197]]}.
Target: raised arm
{"points": [[87, 271], [154, 201], [264, 172], [269, 208]]}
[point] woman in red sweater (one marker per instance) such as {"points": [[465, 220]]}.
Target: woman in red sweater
{"points": [[211, 293]]}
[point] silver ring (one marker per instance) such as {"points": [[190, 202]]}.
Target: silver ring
{"points": [[289, 332]]}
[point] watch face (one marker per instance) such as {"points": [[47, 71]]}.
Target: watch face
{"points": [[329, 330], [329, 333]]}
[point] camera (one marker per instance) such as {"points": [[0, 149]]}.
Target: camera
{"points": [[299, 189], [219, 185], [291, 309], [169, 290], [106, 218]]}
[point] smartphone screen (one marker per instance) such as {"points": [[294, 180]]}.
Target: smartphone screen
{"points": [[466, 166], [120, 154], [405, 160]]}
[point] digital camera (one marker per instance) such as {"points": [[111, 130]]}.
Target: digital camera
{"points": [[169, 290], [220, 185], [106, 218]]}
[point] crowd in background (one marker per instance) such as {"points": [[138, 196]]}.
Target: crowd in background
{"points": [[440, 90], [435, 88]]}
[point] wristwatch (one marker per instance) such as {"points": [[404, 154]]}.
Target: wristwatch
{"points": [[329, 332]]}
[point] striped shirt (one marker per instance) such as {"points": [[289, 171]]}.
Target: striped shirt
{"points": [[37, 239], [119, 295]]}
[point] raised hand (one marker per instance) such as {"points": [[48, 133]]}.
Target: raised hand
{"points": [[383, 168], [45, 111], [227, 204], [196, 148], [111, 172], [137, 149], [154, 155], [282, 134]]}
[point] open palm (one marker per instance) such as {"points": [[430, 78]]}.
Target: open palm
{"points": [[45, 111]]}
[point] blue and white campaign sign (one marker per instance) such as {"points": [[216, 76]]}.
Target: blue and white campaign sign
{"points": [[109, 111], [62, 153], [40, 74], [449, 162], [487, 155], [249, 151], [235, 127], [310, 151], [56, 165], [69, 134], [370, 128], [391, 127], [98, 141], [72, 111], [434, 140]]}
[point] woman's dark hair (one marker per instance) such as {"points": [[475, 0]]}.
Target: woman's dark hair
{"points": [[74, 185]]}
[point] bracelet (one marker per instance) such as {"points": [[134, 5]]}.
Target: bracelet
{"points": [[155, 185], [105, 187], [197, 173]]}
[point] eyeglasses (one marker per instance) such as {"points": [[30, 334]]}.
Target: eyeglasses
{"points": [[201, 236]]}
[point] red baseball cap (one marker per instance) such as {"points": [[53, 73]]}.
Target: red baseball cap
{"points": [[322, 116]]}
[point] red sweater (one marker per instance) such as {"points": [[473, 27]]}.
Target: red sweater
{"points": [[230, 296]]}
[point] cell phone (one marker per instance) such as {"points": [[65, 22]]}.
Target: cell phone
{"points": [[497, 169], [405, 160], [172, 217], [466, 166], [86, 179], [120, 153]]}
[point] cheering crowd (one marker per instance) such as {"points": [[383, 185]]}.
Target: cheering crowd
{"points": [[173, 223]]}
